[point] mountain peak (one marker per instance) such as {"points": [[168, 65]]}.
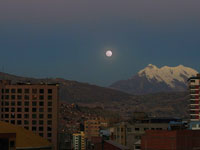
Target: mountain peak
{"points": [[167, 74], [152, 66], [152, 79]]}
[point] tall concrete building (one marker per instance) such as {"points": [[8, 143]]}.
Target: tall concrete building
{"points": [[79, 141], [194, 88], [32, 106], [92, 128]]}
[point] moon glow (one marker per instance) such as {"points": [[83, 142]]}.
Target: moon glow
{"points": [[109, 53]]}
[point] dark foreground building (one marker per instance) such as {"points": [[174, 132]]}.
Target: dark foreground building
{"points": [[171, 140], [14, 137], [32, 106]]}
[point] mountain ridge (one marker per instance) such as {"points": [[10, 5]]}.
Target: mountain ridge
{"points": [[152, 79], [124, 104]]}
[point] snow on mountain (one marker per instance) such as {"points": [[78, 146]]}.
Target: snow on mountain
{"points": [[168, 74], [153, 79]]}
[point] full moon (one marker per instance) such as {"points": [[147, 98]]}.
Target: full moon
{"points": [[108, 53]]}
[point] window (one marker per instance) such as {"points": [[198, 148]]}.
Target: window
{"points": [[41, 134], [49, 116], [6, 109], [26, 97], [26, 103], [34, 103], [26, 91], [48, 134], [12, 144], [26, 109], [34, 97], [41, 122], [49, 122], [19, 90], [49, 103], [7, 97], [12, 121], [49, 109], [34, 116], [34, 128], [34, 122], [19, 97], [12, 115], [12, 109], [12, 103], [7, 90], [34, 91], [6, 103], [19, 103], [19, 109], [41, 91], [41, 128], [138, 137], [50, 91], [41, 109], [6, 115], [26, 122], [19, 122], [41, 97], [2, 90], [19, 116], [41, 116], [137, 129], [26, 116], [49, 129], [137, 147], [13, 97], [49, 97], [13, 90], [34, 109], [41, 104]]}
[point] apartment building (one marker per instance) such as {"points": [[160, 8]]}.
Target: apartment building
{"points": [[129, 134], [32, 106], [194, 108], [79, 142], [92, 128]]}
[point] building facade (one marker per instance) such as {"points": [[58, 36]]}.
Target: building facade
{"points": [[79, 141], [92, 128], [32, 106], [130, 134], [194, 108], [171, 140]]}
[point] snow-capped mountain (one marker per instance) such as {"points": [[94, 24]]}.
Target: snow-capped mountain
{"points": [[153, 79]]}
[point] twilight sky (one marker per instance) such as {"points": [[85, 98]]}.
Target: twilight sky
{"points": [[68, 38]]}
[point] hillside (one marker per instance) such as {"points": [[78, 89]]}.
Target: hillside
{"points": [[173, 104]]}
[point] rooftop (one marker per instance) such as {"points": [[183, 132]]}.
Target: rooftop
{"points": [[24, 138]]}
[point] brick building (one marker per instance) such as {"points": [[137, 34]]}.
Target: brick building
{"points": [[32, 106], [171, 140]]}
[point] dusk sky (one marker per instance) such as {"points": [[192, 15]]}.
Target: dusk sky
{"points": [[69, 38]]}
